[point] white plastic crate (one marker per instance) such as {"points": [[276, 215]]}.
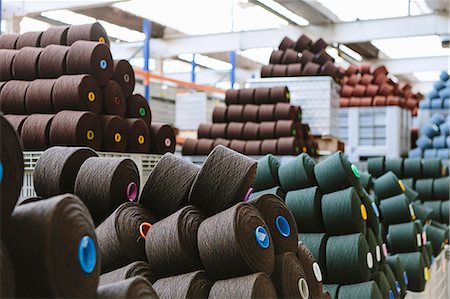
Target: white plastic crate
{"points": [[144, 162], [317, 96], [375, 131]]}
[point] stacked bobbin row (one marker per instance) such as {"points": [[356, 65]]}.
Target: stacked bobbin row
{"points": [[434, 139], [337, 220], [364, 87], [300, 58], [71, 92], [256, 121], [439, 97]]}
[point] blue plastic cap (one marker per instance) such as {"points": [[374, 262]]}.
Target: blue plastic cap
{"points": [[283, 226], [87, 254], [262, 237], [103, 64], [375, 209], [391, 294], [397, 286], [405, 277], [1, 171]]}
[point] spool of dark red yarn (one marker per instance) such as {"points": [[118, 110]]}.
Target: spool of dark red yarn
{"points": [[219, 114], [238, 145], [52, 61], [236, 242], [307, 56], [163, 138], [60, 230], [35, 131], [319, 45], [250, 113], [8, 283], [164, 197], [294, 70], [76, 128], [190, 285], [121, 237], [204, 147], [253, 148], [136, 287], [26, 64], [105, 183], [267, 130], [55, 35], [218, 131], [232, 96], [29, 39], [234, 130], [220, 141], [246, 96], [253, 286], [289, 277], [269, 146], [113, 100], [115, 133], [8, 41], [6, 64], [234, 113], [226, 174], [266, 71], [189, 147], [38, 98], [276, 57], [285, 128], [279, 94], [262, 95], [329, 69], [171, 243], [77, 92], [311, 69], [204, 130], [312, 270], [286, 43], [124, 76], [16, 122], [87, 32], [279, 70], [266, 113], [323, 57], [302, 43], [290, 57], [138, 135], [280, 221], [288, 146], [347, 91], [133, 269], [359, 90], [137, 107], [12, 97], [90, 58], [285, 111], [57, 168], [250, 131]]}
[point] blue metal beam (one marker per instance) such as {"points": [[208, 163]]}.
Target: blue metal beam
{"points": [[0, 16], [193, 64], [147, 29], [233, 68]]}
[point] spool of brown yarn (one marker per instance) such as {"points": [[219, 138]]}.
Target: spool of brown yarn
{"points": [[312, 270], [164, 197], [190, 285], [250, 113], [76, 128], [353, 79], [225, 174], [234, 113], [290, 57], [246, 96], [329, 69], [219, 114], [238, 145], [171, 243], [366, 79], [302, 43], [87, 32], [344, 102], [354, 102], [279, 70], [307, 56], [311, 69], [6, 64], [366, 102], [266, 71], [286, 43], [115, 133], [285, 128], [288, 146], [253, 286], [359, 90], [124, 75], [250, 131], [136, 287], [319, 45], [379, 101], [77, 92], [35, 131], [262, 96], [232, 96], [8, 41], [235, 130], [133, 269], [371, 90], [120, 237], [393, 101], [26, 64], [189, 147], [55, 35], [105, 183], [113, 100], [137, 107], [253, 148], [16, 122], [218, 131], [90, 58], [269, 146], [267, 130], [29, 39], [294, 70], [204, 131], [52, 62], [364, 68], [285, 111], [6, 274], [221, 141], [276, 57], [12, 97], [266, 113], [236, 242], [289, 277], [323, 57], [138, 135], [163, 138], [38, 98], [385, 89]]}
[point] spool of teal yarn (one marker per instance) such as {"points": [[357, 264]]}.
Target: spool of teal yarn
{"points": [[332, 289], [275, 191], [373, 212], [441, 188], [412, 168], [426, 256], [410, 193], [416, 270], [388, 185], [297, 173], [368, 289], [437, 237], [440, 225], [266, 173], [400, 274], [419, 226], [445, 211], [435, 207], [317, 244], [396, 209], [375, 166], [394, 165], [423, 213], [343, 212], [348, 259], [375, 249], [306, 206], [403, 237], [408, 182], [383, 284], [366, 181], [393, 283], [432, 168], [337, 173], [429, 247], [425, 189]]}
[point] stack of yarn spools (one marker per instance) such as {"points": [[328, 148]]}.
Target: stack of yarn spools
{"points": [[434, 140], [439, 97], [364, 87], [336, 219], [62, 87], [301, 58], [256, 121]]}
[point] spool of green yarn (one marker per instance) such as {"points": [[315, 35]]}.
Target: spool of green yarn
{"points": [[435, 207], [426, 256], [441, 188], [388, 185], [445, 211], [394, 165], [348, 259], [400, 274], [306, 206], [396, 209], [368, 289], [332, 289], [425, 189], [439, 225], [383, 284], [373, 212], [410, 193], [429, 247], [403, 237], [337, 173], [366, 181], [393, 283], [343, 212], [419, 226], [416, 269], [437, 237], [374, 248], [423, 213], [275, 191], [297, 173], [432, 168], [266, 173], [408, 182], [316, 242], [375, 166], [412, 168]]}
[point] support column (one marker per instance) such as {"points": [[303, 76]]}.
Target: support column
{"points": [[147, 29], [233, 68]]}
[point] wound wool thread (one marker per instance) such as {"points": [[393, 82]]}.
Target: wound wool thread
{"points": [[190, 285], [138, 135], [113, 100], [163, 138], [87, 32], [8, 289], [16, 121], [38, 98], [289, 277], [35, 131], [297, 173], [52, 62], [135, 287], [133, 269], [312, 270], [124, 76], [266, 173], [306, 206], [115, 133], [137, 107]]}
